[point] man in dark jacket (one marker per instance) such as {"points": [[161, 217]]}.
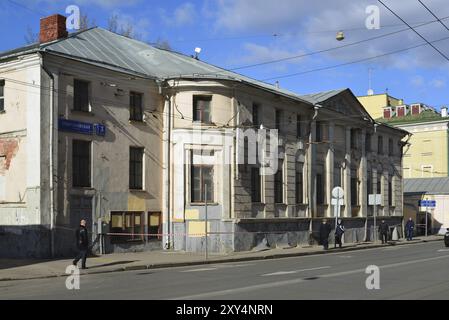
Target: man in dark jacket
{"points": [[82, 242], [384, 229], [409, 229], [339, 231], [325, 231]]}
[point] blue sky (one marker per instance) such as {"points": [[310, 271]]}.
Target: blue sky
{"points": [[235, 33]]}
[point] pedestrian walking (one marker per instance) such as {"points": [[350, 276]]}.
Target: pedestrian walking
{"points": [[325, 231], [384, 230], [339, 232], [410, 228], [82, 243]]}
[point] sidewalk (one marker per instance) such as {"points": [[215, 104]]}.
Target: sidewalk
{"points": [[39, 269]]}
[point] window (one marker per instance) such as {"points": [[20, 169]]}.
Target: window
{"points": [[299, 187], [81, 164], [279, 183], [369, 184], [128, 223], [319, 189], [256, 186], [319, 132], [81, 96], [256, 120], [379, 184], [354, 139], [154, 225], [380, 145], [135, 106], [298, 126], [278, 117], [136, 168], [368, 147], [390, 147], [2, 95], [202, 109], [202, 177], [390, 191], [354, 191]]}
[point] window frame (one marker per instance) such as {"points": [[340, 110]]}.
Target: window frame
{"points": [[127, 239], [135, 111], [319, 131], [256, 185], [380, 145], [256, 114], [320, 189], [279, 192], [133, 169], [277, 119], [299, 184], [77, 159], [77, 101], [201, 119], [2, 95], [211, 196]]}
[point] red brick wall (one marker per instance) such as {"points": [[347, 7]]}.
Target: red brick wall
{"points": [[53, 28], [8, 149]]}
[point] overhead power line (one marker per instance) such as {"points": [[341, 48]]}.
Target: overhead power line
{"points": [[434, 15], [413, 29], [353, 62], [36, 11]]}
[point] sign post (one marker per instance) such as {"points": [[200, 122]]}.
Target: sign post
{"points": [[205, 223], [375, 200], [338, 195], [428, 204]]}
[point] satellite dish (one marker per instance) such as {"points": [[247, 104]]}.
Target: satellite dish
{"points": [[370, 92], [197, 53]]}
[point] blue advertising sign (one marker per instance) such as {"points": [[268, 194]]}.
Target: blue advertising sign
{"points": [[427, 203], [81, 127]]}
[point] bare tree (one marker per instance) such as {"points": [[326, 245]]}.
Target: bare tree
{"points": [[86, 22], [31, 37], [162, 44]]}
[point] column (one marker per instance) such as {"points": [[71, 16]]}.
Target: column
{"points": [[330, 170], [311, 156], [347, 175]]}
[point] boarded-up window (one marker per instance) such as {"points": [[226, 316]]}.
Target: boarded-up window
{"points": [[129, 224]]}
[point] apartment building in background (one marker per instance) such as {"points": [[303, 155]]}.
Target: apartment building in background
{"points": [[152, 148]]}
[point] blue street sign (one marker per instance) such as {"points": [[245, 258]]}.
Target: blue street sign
{"points": [[81, 127], [427, 203]]}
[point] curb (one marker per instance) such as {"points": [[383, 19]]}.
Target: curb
{"points": [[155, 266]]}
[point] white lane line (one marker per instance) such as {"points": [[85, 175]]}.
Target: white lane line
{"points": [[199, 270], [235, 266], [296, 281], [443, 250], [345, 257], [280, 273]]}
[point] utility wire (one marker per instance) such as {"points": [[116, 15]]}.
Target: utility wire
{"points": [[38, 12], [419, 34], [433, 14], [353, 62]]}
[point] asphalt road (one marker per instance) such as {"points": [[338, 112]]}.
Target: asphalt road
{"points": [[419, 271]]}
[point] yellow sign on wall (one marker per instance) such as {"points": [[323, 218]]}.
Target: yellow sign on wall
{"points": [[197, 229]]}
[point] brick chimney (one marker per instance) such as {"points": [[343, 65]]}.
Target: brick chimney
{"points": [[53, 28]]}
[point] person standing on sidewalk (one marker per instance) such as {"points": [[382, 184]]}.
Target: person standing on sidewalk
{"points": [[325, 231], [410, 228], [82, 242], [384, 229], [339, 231]]}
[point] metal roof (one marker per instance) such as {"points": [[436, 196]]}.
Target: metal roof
{"points": [[110, 50], [319, 97], [427, 185]]}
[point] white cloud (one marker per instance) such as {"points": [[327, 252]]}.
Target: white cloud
{"points": [[183, 15], [438, 83]]}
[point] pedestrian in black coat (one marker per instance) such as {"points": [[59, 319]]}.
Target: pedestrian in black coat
{"points": [[409, 229], [82, 243], [325, 231], [384, 230], [339, 232]]}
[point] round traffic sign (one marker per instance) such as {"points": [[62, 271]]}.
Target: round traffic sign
{"points": [[338, 193]]}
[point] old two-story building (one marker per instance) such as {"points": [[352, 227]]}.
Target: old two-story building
{"points": [[155, 149]]}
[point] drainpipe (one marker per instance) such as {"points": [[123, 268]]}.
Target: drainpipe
{"points": [[310, 166], [167, 229], [51, 163]]}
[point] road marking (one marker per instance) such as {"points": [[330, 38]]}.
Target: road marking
{"points": [[235, 265], [296, 281], [199, 270], [345, 257], [443, 250], [280, 273]]}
